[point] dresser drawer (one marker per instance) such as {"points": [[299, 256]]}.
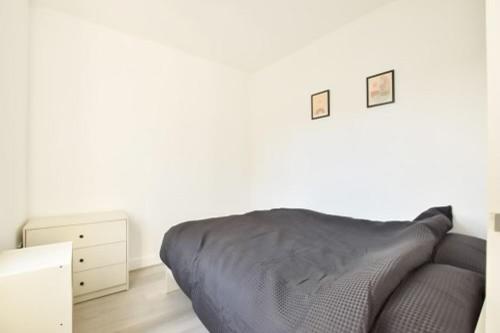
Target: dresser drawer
{"points": [[99, 278], [99, 256], [81, 235]]}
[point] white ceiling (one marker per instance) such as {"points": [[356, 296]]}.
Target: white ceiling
{"points": [[247, 34]]}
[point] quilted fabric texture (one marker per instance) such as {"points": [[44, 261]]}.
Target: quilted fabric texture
{"points": [[292, 270], [435, 299], [462, 251]]}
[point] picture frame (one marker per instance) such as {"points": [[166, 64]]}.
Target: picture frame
{"points": [[380, 89], [320, 105]]}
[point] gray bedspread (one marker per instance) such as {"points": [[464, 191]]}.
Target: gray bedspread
{"points": [[293, 270], [435, 299]]}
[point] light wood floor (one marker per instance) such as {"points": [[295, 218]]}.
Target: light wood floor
{"points": [[145, 307]]}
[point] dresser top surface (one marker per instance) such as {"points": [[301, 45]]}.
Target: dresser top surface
{"points": [[56, 221], [13, 262]]}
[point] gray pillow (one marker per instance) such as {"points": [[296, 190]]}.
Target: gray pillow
{"points": [[462, 251], [434, 299]]}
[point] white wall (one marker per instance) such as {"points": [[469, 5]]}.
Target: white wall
{"points": [[119, 122], [493, 272], [14, 21], [388, 162]]}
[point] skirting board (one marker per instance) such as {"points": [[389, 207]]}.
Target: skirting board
{"points": [[143, 262]]}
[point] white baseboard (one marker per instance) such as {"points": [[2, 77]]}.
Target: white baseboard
{"points": [[138, 263]]}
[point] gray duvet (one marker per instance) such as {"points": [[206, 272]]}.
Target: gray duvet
{"points": [[434, 299], [292, 270]]}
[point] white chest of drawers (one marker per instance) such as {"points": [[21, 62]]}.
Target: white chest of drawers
{"points": [[100, 249]]}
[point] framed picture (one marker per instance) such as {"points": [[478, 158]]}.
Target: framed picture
{"points": [[320, 105], [380, 89]]}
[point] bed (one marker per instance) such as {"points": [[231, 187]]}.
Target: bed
{"points": [[296, 270]]}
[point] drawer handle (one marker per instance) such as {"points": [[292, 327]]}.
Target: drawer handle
{"points": [[81, 236], [81, 260], [82, 283]]}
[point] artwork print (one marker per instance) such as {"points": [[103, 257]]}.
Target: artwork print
{"points": [[320, 105], [380, 89]]}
